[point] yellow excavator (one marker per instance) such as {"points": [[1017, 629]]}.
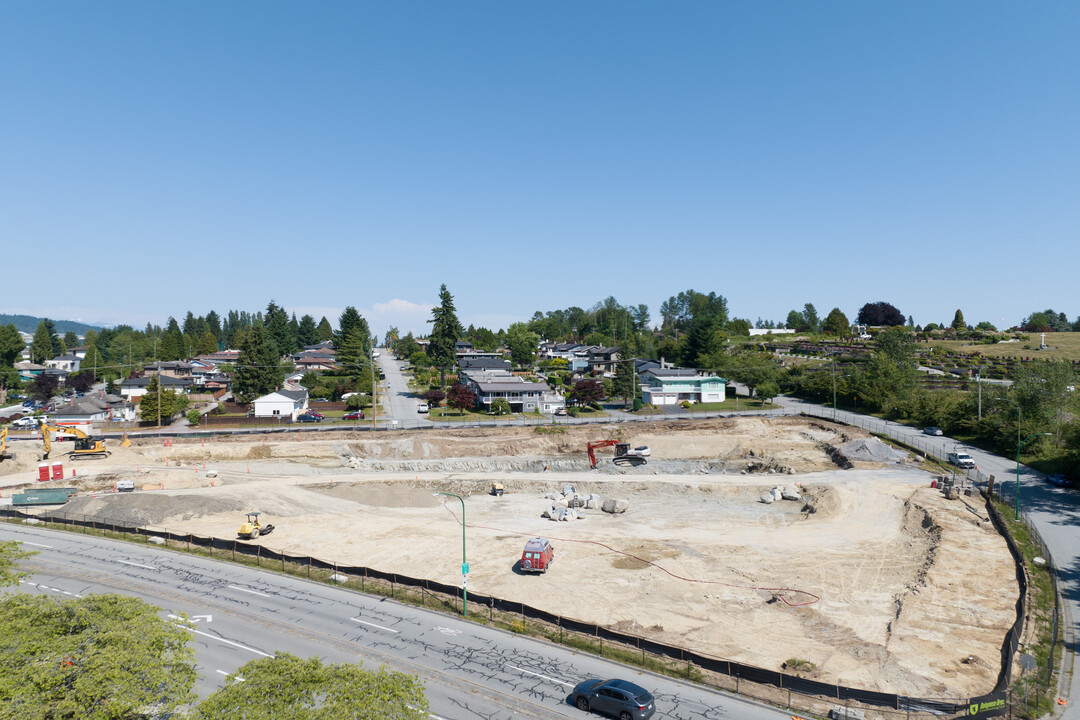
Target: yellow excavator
{"points": [[86, 447], [4, 454], [252, 528]]}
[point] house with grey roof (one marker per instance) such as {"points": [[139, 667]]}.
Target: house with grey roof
{"points": [[67, 363], [136, 387], [521, 394], [281, 404]]}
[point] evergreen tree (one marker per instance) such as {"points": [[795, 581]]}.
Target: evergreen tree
{"points": [[172, 403], [213, 324], [836, 323], [258, 368], [172, 345], [306, 332], [41, 347], [71, 340], [278, 331], [11, 344], [445, 332], [810, 318], [324, 331], [958, 321], [625, 380], [54, 339], [207, 344]]}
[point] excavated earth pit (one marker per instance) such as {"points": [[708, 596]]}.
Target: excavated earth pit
{"points": [[872, 576]]}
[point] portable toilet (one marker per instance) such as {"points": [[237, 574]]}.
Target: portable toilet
{"points": [[57, 471], [43, 472]]}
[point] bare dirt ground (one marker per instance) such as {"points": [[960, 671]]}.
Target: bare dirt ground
{"points": [[874, 578]]}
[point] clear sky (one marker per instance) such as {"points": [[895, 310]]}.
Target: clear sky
{"points": [[163, 157]]}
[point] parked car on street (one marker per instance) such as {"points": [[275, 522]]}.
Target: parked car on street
{"points": [[933, 431], [560, 411], [616, 698], [316, 414], [25, 422], [306, 418], [422, 408], [961, 460], [355, 415], [1057, 479]]}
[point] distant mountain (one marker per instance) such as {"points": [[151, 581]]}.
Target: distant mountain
{"points": [[28, 324]]}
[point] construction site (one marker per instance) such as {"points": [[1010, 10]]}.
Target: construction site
{"points": [[784, 543]]}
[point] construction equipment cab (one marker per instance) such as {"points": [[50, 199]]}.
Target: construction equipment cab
{"points": [[538, 555], [87, 446], [252, 528]]}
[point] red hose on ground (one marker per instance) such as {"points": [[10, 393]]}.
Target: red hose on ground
{"points": [[778, 592]]}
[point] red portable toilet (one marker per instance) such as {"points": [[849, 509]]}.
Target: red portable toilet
{"points": [[58, 471], [43, 472]]}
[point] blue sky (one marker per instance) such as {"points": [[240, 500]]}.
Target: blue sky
{"points": [[156, 158]]}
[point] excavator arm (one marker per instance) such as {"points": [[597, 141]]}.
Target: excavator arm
{"points": [[599, 444]]}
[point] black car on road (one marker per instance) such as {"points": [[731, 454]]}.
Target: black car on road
{"points": [[616, 698], [308, 418]]}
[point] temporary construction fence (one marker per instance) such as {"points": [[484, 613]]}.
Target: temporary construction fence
{"points": [[981, 480], [830, 692]]}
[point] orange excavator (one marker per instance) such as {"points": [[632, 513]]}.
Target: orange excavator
{"points": [[624, 454]]}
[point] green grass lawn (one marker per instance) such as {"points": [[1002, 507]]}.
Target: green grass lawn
{"points": [[1062, 346]]}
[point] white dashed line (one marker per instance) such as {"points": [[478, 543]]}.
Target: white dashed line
{"points": [[148, 567], [253, 592], [222, 672], [545, 677], [27, 542], [228, 642], [365, 622]]}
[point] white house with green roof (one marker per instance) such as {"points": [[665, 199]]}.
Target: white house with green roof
{"points": [[671, 386]]}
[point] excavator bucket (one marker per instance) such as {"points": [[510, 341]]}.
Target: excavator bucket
{"points": [[125, 442]]}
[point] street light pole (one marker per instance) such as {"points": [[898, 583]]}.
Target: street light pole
{"points": [[464, 562], [834, 387]]}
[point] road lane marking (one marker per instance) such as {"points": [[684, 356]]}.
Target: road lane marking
{"points": [[148, 567], [545, 677], [222, 672], [365, 622], [27, 542], [253, 592], [229, 642]]}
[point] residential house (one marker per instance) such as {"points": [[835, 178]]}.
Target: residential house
{"points": [[28, 370], [314, 362], [472, 362], [522, 395], [463, 346], [565, 351], [169, 368], [67, 363], [136, 387], [671, 386], [93, 408], [221, 356], [602, 360], [281, 403]]}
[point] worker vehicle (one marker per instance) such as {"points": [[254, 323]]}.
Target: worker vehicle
{"points": [[4, 454], [537, 556], [497, 489], [961, 460], [624, 454], [125, 486], [253, 528]]}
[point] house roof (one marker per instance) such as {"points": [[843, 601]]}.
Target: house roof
{"points": [[28, 366], [168, 365], [293, 394], [513, 387], [166, 381], [482, 362], [65, 358]]}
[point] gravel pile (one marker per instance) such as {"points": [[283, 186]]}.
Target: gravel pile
{"points": [[871, 450]]}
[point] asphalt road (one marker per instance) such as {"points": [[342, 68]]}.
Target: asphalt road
{"points": [[1053, 511], [239, 613], [402, 405]]}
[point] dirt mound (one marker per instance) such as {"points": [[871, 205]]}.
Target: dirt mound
{"points": [[137, 509], [871, 450]]}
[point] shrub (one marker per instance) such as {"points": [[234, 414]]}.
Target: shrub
{"points": [[193, 417], [637, 404], [687, 404]]}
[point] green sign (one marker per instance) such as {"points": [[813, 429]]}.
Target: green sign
{"points": [[987, 706]]}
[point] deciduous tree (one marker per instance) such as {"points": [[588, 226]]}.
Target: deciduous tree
{"points": [[499, 406], [285, 686], [586, 391], [880, 313], [460, 397], [99, 657]]}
